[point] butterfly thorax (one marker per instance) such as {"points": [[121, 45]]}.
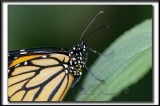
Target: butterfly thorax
{"points": [[78, 58]]}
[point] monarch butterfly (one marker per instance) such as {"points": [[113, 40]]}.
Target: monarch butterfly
{"points": [[46, 74]]}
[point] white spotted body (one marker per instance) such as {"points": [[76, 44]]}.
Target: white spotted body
{"points": [[78, 59]]}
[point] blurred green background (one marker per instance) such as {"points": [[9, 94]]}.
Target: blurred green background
{"points": [[62, 25]]}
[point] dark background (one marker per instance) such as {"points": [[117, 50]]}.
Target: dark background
{"points": [[62, 25]]}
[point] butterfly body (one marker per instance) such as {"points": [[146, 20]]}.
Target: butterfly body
{"points": [[78, 58]]}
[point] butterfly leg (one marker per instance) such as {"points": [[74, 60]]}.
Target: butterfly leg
{"points": [[74, 83], [94, 51], [93, 74], [76, 80]]}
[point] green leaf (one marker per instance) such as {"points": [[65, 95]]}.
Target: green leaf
{"points": [[129, 59]]}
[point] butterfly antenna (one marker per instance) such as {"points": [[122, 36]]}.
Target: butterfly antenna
{"points": [[94, 30], [100, 12]]}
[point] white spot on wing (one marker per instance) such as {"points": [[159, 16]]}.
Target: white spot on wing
{"points": [[15, 57], [23, 53], [44, 56], [17, 65], [66, 71], [25, 63], [65, 65], [22, 50]]}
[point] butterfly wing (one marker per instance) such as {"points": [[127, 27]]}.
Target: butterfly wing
{"points": [[38, 74]]}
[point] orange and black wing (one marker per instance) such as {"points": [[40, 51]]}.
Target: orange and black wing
{"points": [[38, 75]]}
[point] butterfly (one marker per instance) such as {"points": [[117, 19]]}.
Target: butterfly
{"points": [[46, 74]]}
